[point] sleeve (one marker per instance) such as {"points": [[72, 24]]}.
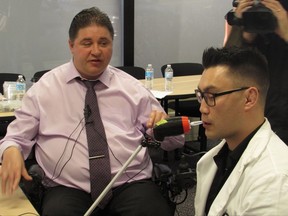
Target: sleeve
{"points": [[267, 196], [22, 131]]}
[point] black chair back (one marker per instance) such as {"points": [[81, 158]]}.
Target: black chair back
{"points": [[38, 75], [135, 71], [184, 69]]}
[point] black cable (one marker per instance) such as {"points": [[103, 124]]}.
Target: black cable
{"points": [[69, 138], [183, 200], [129, 177], [104, 138], [70, 154]]}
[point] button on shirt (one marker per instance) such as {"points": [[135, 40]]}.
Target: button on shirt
{"points": [[52, 115]]}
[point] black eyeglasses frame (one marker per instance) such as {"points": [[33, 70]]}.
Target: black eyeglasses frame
{"points": [[200, 95]]}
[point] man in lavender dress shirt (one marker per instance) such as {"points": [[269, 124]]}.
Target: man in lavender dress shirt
{"points": [[51, 119]]}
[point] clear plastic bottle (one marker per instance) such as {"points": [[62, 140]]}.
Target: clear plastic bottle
{"points": [[149, 76], [168, 78], [20, 87]]}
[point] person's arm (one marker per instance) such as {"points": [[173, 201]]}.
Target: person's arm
{"points": [[12, 169], [282, 17], [273, 191], [234, 35]]}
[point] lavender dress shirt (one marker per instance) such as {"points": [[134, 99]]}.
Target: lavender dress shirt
{"points": [[52, 118]]}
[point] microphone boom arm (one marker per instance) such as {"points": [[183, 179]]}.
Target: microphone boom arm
{"points": [[146, 142]]}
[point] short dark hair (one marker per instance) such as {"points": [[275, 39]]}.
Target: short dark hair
{"points": [[88, 17], [244, 64]]}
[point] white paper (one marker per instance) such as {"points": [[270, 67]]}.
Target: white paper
{"points": [[160, 94]]}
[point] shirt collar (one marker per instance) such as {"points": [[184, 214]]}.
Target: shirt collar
{"points": [[72, 74], [232, 157]]}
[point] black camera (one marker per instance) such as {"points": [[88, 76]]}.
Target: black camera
{"points": [[257, 19]]}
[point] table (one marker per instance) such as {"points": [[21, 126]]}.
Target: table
{"points": [[16, 204], [6, 114], [183, 87]]}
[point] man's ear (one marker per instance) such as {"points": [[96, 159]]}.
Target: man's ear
{"points": [[252, 97], [71, 44]]}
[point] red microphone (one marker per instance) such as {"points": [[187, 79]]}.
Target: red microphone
{"points": [[173, 126]]}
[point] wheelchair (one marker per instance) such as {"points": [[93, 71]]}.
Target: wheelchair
{"points": [[171, 182]]}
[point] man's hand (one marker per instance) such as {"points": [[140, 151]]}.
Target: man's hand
{"points": [[155, 116], [13, 167], [243, 5], [281, 15]]}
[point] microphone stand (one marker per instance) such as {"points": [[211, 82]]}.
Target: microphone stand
{"points": [[147, 141]]}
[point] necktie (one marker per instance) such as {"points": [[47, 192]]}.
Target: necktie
{"points": [[100, 172]]}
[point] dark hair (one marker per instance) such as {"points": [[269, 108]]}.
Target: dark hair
{"points": [[247, 65], [87, 17]]}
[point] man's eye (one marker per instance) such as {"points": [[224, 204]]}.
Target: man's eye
{"points": [[103, 43], [209, 96], [87, 44]]}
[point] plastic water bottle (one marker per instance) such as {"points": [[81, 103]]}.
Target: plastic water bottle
{"points": [[168, 78], [20, 87], [149, 76]]}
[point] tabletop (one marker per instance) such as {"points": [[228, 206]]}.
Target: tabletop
{"points": [[6, 114], [16, 204], [183, 86]]}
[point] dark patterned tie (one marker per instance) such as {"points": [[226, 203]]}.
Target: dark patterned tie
{"points": [[100, 172]]}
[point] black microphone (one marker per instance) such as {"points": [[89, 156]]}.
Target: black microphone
{"points": [[87, 113], [173, 126]]}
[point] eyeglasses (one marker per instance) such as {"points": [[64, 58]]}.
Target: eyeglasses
{"points": [[210, 97]]}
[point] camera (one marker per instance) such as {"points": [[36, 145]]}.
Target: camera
{"points": [[257, 19]]}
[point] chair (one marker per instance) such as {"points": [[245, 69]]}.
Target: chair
{"points": [[38, 75], [188, 107], [137, 72]]}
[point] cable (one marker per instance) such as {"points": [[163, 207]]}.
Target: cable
{"points": [[70, 154], [129, 177], [183, 200], [63, 153]]}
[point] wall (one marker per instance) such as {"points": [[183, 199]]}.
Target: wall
{"points": [[169, 31], [34, 33]]}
